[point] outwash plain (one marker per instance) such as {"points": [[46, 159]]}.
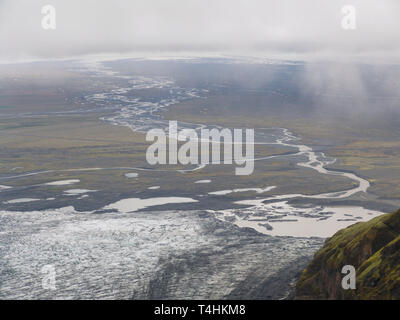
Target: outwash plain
{"points": [[77, 192]]}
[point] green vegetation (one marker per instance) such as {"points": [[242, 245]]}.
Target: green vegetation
{"points": [[370, 148], [372, 248], [69, 142]]}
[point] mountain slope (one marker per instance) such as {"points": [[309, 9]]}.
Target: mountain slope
{"points": [[372, 247]]}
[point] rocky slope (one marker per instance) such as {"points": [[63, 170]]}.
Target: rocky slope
{"points": [[372, 247]]}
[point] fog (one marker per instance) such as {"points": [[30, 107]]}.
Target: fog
{"points": [[289, 29], [309, 30]]}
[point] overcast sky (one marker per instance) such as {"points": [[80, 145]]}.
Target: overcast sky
{"points": [[296, 29]]}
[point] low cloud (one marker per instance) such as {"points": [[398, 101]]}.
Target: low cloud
{"points": [[307, 29]]}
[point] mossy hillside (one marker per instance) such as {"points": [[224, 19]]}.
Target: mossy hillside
{"points": [[371, 247], [379, 276]]}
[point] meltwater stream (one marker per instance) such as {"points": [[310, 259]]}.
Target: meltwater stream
{"points": [[275, 216], [271, 215], [169, 254]]}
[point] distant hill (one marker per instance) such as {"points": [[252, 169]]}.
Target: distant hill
{"points": [[372, 247]]}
